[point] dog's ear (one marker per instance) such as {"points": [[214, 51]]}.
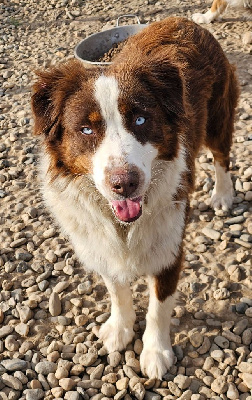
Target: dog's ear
{"points": [[50, 92], [166, 82]]}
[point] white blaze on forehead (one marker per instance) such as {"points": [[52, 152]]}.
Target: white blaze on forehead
{"points": [[119, 146]]}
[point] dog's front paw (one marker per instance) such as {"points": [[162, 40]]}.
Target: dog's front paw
{"points": [[116, 336], [155, 362], [222, 199]]}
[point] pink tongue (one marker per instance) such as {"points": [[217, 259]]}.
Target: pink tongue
{"points": [[127, 210]]}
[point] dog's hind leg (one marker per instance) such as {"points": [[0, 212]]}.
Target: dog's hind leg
{"points": [[220, 128], [217, 8], [117, 331]]}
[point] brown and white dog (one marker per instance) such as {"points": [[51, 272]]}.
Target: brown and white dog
{"points": [[119, 146], [217, 9]]}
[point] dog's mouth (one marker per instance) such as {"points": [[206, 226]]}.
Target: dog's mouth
{"points": [[127, 210]]}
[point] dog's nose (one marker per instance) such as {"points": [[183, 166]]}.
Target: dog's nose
{"points": [[124, 182]]}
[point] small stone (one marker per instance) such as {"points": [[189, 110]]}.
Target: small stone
{"points": [[45, 367], [247, 337], [11, 382], [88, 359], [187, 395], [6, 330], [245, 367], [122, 383], [72, 395], [221, 342], [22, 329], [81, 320], [196, 339], [217, 355], [61, 286], [97, 372], [15, 364], [114, 359], [211, 233], [221, 294], [182, 381], [108, 389], [54, 304], [247, 379], [219, 385], [67, 383], [248, 312], [232, 392], [138, 346], [85, 287], [61, 373], [35, 394], [138, 391], [57, 392]]}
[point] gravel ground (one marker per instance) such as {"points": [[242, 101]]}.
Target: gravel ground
{"points": [[50, 309]]}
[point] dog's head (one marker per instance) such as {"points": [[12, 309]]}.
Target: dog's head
{"points": [[110, 124]]}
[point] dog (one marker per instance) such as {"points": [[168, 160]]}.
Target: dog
{"points": [[218, 7], [118, 151]]}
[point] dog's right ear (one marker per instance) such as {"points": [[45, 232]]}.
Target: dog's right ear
{"points": [[50, 92]]}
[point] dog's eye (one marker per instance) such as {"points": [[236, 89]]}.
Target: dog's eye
{"points": [[140, 121], [86, 130]]}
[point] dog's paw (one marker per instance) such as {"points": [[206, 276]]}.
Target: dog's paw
{"points": [[116, 336], [155, 362], [202, 18], [222, 199]]}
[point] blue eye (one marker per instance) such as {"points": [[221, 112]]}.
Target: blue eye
{"points": [[87, 130], [140, 121]]}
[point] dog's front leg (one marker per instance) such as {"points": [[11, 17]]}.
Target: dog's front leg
{"points": [[157, 355], [117, 331]]}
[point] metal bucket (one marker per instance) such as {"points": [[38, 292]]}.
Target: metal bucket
{"points": [[95, 46]]}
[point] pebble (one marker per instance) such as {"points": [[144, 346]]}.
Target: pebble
{"points": [[211, 233], [54, 304], [14, 364], [219, 385], [34, 394], [45, 367], [114, 359], [67, 383]]}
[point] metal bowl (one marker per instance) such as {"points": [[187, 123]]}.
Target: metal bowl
{"points": [[95, 46]]}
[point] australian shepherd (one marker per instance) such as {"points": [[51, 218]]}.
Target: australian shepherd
{"points": [[117, 164]]}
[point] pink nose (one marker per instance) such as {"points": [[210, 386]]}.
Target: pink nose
{"points": [[124, 182]]}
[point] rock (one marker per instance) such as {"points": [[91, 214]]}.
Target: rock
{"points": [[138, 346], [14, 364], [54, 304], [122, 383], [232, 392], [67, 383], [219, 385], [34, 394], [245, 367], [222, 342], [114, 359], [196, 339], [11, 381], [108, 389], [45, 367], [247, 379], [183, 382], [211, 233], [61, 286], [89, 358], [221, 294], [72, 395], [6, 330]]}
